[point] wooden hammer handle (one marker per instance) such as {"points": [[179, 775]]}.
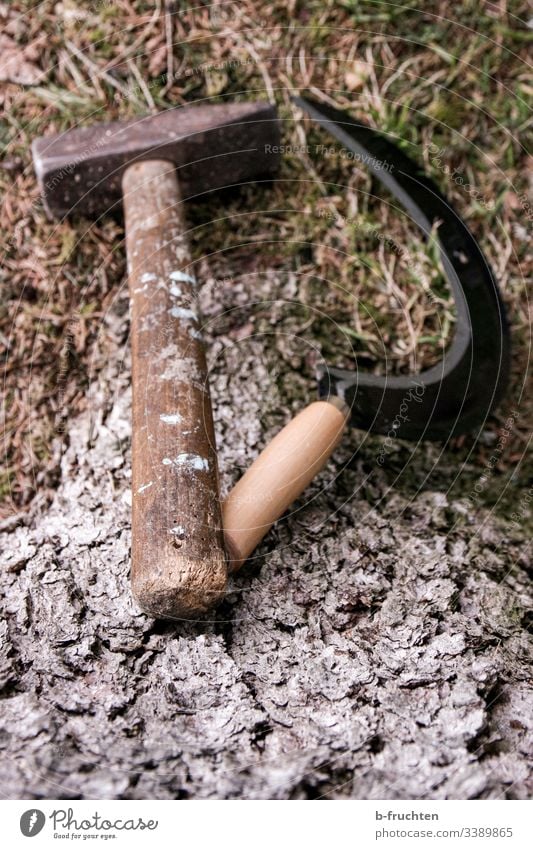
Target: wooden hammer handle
{"points": [[279, 476], [178, 560]]}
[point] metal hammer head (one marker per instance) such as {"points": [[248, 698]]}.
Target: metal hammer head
{"points": [[80, 171]]}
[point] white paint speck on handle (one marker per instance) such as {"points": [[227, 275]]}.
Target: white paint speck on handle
{"points": [[182, 277], [183, 313], [171, 418], [178, 531], [193, 462], [144, 487]]}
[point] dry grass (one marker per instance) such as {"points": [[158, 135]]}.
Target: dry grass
{"points": [[452, 75]]}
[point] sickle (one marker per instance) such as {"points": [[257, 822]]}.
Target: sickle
{"points": [[452, 397], [459, 392]]}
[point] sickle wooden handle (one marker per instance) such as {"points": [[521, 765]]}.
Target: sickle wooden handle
{"points": [[279, 476], [178, 560]]}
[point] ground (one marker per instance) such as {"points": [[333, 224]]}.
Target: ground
{"points": [[377, 645]]}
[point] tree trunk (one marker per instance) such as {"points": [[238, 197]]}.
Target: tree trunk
{"points": [[373, 648]]}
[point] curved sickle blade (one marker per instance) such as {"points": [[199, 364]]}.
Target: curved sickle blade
{"points": [[458, 393]]}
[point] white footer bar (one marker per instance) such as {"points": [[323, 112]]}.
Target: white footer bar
{"points": [[267, 824]]}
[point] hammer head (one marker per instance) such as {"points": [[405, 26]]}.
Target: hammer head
{"points": [[80, 171]]}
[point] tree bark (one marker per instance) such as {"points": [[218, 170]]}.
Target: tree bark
{"points": [[374, 647]]}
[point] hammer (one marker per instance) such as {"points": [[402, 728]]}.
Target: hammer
{"points": [[151, 165]]}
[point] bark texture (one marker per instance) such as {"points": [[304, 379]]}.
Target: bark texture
{"points": [[374, 648]]}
